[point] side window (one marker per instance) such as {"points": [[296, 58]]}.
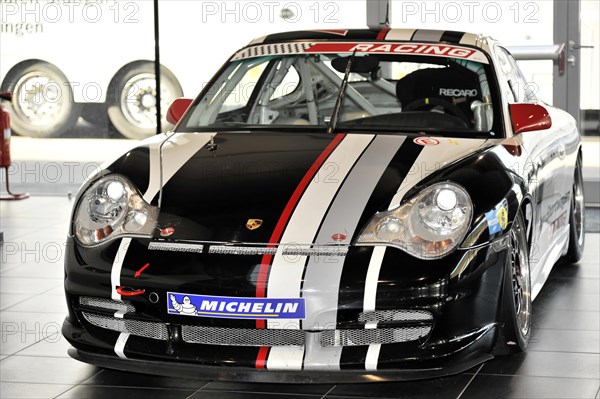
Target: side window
{"points": [[520, 90], [526, 89], [507, 71]]}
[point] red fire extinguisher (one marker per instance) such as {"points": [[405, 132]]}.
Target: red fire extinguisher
{"points": [[5, 134]]}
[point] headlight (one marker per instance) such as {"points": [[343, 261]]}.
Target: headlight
{"points": [[428, 226], [112, 207]]}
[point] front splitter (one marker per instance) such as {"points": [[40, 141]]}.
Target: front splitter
{"points": [[190, 370]]}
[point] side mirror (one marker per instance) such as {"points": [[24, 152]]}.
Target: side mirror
{"points": [[528, 117], [177, 109]]}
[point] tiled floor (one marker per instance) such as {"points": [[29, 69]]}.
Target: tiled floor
{"points": [[563, 360]]}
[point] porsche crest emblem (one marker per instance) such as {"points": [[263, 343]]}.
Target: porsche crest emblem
{"points": [[253, 224]]}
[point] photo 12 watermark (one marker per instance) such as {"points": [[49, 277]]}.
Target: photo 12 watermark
{"points": [[268, 12], [69, 11], [465, 12]]}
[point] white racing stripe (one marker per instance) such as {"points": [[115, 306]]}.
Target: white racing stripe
{"points": [[176, 151], [372, 357], [120, 314], [285, 277], [285, 358], [115, 271], [400, 34], [120, 345], [321, 358], [154, 168], [470, 39], [370, 293]]}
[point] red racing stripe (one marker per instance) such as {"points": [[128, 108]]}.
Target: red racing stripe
{"points": [[382, 33], [261, 358], [265, 264]]}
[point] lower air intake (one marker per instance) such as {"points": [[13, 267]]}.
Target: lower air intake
{"points": [[134, 327], [373, 336], [326, 338], [395, 315], [241, 336], [104, 303]]}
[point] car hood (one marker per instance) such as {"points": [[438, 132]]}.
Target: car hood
{"points": [[292, 188]]}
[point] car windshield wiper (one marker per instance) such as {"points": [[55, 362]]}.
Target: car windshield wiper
{"points": [[340, 100]]}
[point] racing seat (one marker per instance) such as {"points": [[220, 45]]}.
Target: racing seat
{"points": [[452, 88], [283, 120]]}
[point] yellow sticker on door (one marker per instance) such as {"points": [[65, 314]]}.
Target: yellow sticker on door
{"points": [[503, 217]]}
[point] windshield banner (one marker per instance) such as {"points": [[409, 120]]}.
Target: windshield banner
{"points": [[425, 49]]}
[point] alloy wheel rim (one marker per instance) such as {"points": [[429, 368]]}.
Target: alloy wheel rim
{"points": [[578, 207], [520, 285]]}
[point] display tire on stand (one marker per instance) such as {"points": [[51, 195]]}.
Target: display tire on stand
{"points": [[132, 99], [42, 103]]}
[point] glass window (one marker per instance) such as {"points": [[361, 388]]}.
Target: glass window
{"points": [[394, 93], [590, 67], [520, 89]]}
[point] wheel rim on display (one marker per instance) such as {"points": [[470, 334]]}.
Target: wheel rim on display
{"points": [[138, 100], [521, 285], [38, 99], [578, 206]]}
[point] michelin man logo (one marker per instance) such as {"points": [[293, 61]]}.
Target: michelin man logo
{"points": [[185, 308]]}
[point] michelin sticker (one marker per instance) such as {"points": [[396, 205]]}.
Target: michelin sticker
{"points": [[497, 219], [235, 307]]}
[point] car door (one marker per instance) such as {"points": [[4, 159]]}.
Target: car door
{"points": [[549, 186]]}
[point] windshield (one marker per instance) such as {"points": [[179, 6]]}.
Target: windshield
{"points": [[397, 92]]}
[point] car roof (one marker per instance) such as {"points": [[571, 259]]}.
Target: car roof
{"points": [[385, 34]]}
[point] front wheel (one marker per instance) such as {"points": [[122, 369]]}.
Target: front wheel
{"points": [[42, 100], [516, 295], [132, 105]]}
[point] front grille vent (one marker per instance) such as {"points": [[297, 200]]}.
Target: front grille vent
{"points": [[400, 315], [104, 303], [265, 337], [373, 336], [241, 336], [134, 327], [326, 338]]}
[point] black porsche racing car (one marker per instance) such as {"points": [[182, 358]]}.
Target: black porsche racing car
{"points": [[347, 205]]}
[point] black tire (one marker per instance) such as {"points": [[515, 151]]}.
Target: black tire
{"points": [[576, 217], [515, 323], [42, 103], [132, 99]]}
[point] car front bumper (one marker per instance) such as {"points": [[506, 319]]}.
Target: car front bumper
{"points": [[463, 333]]}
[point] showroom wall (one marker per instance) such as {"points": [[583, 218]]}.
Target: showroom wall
{"points": [[83, 69], [90, 61]]}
